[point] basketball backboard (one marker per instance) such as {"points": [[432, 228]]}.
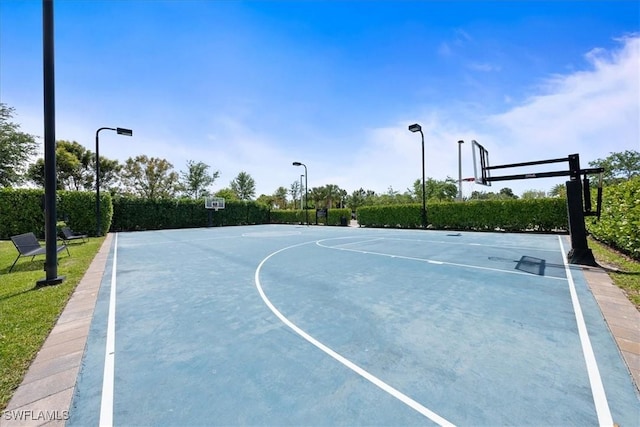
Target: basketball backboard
{"points": [[214, 203], [480, 163]]}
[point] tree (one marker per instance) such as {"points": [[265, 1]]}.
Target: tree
{"points": [[197, 179], [318, 195], [227, 194], [558, 190], [280, 198], [295, 191], [333, 195], [151, 178], [16, 148], [243, 186], [533, 194], [74, 168], [507, 193], [446, 190], [619, 166], [266, 200]]}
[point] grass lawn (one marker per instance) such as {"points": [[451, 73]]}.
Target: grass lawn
{"points": [[27, 313], [622, 270]]}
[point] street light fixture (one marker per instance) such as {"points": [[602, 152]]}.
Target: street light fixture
{"points": [[460, 170], [305, 189], [417, 128], [120, 131]]}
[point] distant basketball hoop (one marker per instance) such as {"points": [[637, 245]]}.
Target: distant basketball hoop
{"points": [[467, 187], [214, 203]]}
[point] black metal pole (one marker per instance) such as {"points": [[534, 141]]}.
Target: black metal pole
{"points": [[98, 183], [424, 203], [51, 262], [98, 213], [306, 194]]}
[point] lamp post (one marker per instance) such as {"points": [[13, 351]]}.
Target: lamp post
{"points": [[301, 175], [305, 189], [120, 131], [417, 128], [460, 170]]}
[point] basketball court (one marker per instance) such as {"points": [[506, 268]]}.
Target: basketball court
{"points": [[297, 325]]}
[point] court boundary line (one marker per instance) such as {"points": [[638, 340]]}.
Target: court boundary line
{"points": [[108, 377], [430, 261], [337, 356], [95, 273], [597, 388]]}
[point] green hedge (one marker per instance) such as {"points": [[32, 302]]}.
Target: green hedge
{"points": [[131, 214], [334, 216], [22, 211], [78, 210], [507, 215], [619, 224]]}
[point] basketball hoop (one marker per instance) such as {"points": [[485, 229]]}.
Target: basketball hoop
{"points": [[214, 203], [468, 187]]}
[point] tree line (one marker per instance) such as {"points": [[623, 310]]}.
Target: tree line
{"points": [[155, 178]]}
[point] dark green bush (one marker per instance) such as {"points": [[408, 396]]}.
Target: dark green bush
{"points": [[507, 215], [21, 211], [78, 210], [130, 214], [619, 224], [334, 216]]}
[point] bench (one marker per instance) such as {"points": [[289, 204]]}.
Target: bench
{"points": [[68, 235], [27, 245]]}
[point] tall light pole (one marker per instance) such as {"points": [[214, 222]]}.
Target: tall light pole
{"points": [[305, 189], [417, 128], [460, 170], [301, 175], [120, 131], [48, 68]]}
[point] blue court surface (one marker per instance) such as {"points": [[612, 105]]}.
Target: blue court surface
{"points": [[322, 326]]}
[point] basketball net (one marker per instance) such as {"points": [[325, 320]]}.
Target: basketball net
{"points": [[467, 187]]}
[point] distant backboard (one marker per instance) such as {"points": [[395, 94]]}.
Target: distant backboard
{"points": [[480, 163], [214, 203]]}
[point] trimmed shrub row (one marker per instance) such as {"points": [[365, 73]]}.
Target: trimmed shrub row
{"points": [[619, 224], [507, 215], [334, 216], [132, 214], [22, 211]]}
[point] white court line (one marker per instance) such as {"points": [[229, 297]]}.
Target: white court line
{"points": [[448, 242], [106, 403], [346, 362], [597, 388], [356, 242], [432, 261]]}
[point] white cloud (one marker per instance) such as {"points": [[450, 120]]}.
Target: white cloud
{"points": [[592, 113]]}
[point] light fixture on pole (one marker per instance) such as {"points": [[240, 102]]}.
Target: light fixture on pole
{"points": [[460, 170], [305, 189], [120, 131], [417, 128]]}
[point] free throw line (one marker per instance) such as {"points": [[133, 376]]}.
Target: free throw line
{"points": [[106, 403], [346, 362]]}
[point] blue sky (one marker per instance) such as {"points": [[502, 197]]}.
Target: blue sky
{"points": [[255, 85]]}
